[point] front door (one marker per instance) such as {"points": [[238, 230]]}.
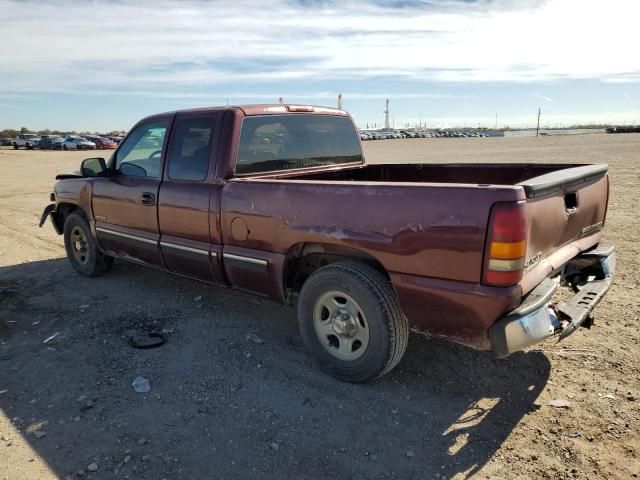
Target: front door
{"points": [[125, 203]]}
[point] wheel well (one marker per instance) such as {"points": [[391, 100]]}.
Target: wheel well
{"points": [[63, 210], [305, 258]]}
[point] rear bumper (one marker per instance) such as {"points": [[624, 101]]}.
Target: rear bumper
{"points": [[536, 318]]}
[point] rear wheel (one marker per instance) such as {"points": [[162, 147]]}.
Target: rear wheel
{"points": [[351, 322], [82, 250], [64, 147], [15, 146]]}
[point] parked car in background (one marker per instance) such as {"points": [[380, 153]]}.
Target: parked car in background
{"points": [[26, 140], [51, 142], [77, 143], [102, 143], [7, 142]]}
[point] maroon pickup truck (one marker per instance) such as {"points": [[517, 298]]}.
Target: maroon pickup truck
{"points": [[277, 200]]}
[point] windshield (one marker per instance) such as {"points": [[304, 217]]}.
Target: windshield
{"points": [[282, 142]]}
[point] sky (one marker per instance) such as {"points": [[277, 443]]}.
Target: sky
{"points": [[103, 65]]}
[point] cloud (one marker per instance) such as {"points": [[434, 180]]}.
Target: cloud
{"points": [[543, 97], [71, 45]]}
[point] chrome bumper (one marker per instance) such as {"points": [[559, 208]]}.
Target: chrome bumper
{"points": [[536, 318]]}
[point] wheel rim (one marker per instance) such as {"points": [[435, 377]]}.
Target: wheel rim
{"points": [[341, 325], [79, 245]]}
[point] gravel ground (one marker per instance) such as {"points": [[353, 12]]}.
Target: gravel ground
{"points": [[222, 406]]}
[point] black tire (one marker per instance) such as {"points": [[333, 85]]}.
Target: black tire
{"points": [[15, 146], [64, 147], [388, 330], [85, 257]]}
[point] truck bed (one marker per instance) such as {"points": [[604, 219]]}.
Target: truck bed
{"points": [[426, 225], [533, 177]]}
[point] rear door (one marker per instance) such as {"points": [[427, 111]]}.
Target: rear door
{"points": [[187, 209], [125, 203]]}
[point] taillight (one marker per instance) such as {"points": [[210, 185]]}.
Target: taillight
{"points": [[506, 245], [299, 108]]}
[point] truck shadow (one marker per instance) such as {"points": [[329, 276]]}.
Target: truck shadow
{"points": [[221, 403]]}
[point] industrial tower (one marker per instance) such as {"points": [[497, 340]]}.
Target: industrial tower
{"points": [[386, 116]]}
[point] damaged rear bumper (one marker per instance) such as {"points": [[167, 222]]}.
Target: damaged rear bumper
{"points": [[536, 318]]}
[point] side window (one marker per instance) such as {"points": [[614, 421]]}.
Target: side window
{"points": [[191, 148], [141, 153]]}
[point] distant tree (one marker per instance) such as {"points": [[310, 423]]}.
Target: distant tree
{"points": [[24, 130], [9, 133]]}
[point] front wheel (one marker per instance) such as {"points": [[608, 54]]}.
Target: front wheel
{"points": [[82, 250], [351, 322]]}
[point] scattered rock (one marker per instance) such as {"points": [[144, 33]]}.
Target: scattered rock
{"points": [[126, 459], [92, 467], [143, 441], [410, 454], [631, 398], [141, 385], [274, 446], [39, 433], [559, 403], [252, 337], [609, 396], [198, 298], [146, 458], [88, 405]]}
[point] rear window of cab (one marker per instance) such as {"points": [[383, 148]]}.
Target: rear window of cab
{"points": [[283, 142]]}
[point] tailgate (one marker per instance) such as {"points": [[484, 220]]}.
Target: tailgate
{"points": [[565, 213]]}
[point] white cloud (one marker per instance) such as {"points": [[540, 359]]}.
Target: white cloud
{"points": [[543, 97], [162, 45]]}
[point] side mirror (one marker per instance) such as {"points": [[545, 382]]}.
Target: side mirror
{"points": [[93, 167]]}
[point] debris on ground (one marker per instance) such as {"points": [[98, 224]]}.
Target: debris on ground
{"points": [[559, 403], [48, 339], [141, 385], [252, 337]]}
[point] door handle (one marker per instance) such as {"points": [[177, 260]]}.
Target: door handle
{"points": [[148, 198]]}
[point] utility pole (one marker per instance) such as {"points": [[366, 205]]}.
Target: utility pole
{"points": [[538, 127], [281, 100], [496, 121], [340, 102]]}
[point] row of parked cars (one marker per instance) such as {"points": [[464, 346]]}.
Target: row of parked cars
{"points": [[386, 134], [58, 142]]}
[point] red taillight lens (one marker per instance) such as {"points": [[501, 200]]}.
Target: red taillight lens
{"points": [[506, 245], [299, 108]]}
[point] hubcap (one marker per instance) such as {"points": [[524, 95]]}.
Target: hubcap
{"points": [[79, 245], [341, 325]]}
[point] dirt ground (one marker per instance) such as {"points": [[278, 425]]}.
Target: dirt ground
{"points": [[221, 406]]}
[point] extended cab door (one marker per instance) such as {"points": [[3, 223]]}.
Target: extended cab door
{"points": [[125, 203], [188, 206]]}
